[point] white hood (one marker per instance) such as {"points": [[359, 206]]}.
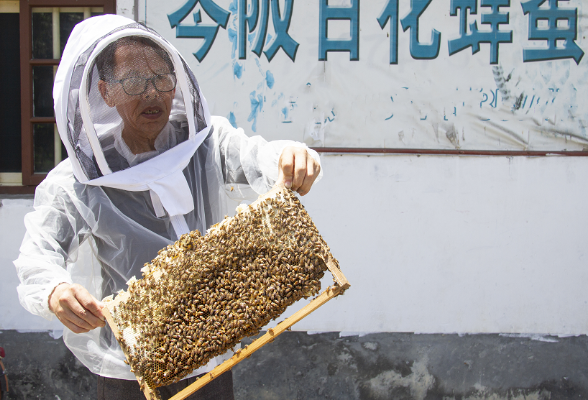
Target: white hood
{"points": [[84, 120]]}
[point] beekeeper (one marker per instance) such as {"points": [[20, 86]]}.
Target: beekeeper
{"points": [[147, 163]]}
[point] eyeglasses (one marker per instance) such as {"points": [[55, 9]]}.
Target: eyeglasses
{"points": [[136, 85]]}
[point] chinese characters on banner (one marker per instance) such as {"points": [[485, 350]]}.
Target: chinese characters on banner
{"points": [[561, 25], [412, 74]]}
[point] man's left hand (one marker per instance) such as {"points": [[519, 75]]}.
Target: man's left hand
{"points": [[297, 169]]}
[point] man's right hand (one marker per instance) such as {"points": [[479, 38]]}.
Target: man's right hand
{"points": [[76, 308]]}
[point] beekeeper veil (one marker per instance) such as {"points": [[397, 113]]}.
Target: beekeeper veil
{"points": [[130, 112]]}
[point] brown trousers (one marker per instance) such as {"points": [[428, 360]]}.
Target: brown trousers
{"points": [[220, 388]]}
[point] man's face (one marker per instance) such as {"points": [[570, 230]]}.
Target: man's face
{"points": [[146, 114]]}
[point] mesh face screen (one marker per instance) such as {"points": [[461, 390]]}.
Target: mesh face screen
{"points": [[132, 93], [137, 109], [199, 297]]}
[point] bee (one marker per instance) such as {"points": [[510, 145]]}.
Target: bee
{"points": [[218, 288]]}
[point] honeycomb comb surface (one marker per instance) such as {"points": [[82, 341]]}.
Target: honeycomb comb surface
{"points": [[202, 295]]}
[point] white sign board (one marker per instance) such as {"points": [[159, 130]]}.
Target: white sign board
{"points": [[420, 74]]}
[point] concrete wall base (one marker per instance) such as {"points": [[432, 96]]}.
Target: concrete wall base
{"points": [[327, 366]]}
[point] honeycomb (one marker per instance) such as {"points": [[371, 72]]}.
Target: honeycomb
{"points": [[202, 295]]}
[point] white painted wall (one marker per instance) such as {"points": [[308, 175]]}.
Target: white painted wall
{"points": [[12, 314], [429, 244], [455, 244], [127, 8]]}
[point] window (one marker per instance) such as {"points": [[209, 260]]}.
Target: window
{"points": [[10, 148], [36, 32]]}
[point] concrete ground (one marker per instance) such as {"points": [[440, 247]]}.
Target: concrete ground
{"points": [[326, 366]]}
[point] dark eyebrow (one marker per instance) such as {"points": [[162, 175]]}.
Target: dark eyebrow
{"points": [[131, 73], [162, 71]]}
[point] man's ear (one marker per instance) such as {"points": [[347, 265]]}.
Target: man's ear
{"points": [[103, 88]]}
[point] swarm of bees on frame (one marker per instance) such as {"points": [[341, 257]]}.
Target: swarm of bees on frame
{"points": [[202, 295]]}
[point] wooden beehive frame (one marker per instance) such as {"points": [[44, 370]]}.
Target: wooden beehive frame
{"points": [[341, 284]]}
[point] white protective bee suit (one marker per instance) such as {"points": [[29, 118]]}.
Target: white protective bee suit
{"points": [[104, 212]]}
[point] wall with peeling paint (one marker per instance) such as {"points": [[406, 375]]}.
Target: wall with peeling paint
{"points": [[482, 97]]}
